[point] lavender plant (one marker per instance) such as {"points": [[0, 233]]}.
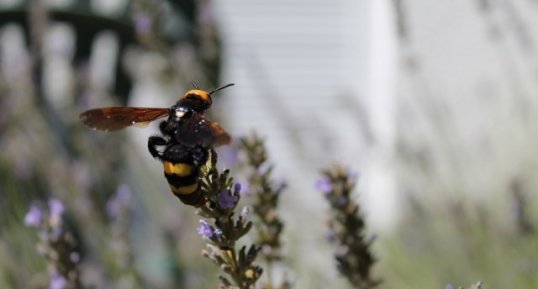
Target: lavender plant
{"points": [[147, 22], [56, 244], [266, 193], [346, 227], [224, 231], [45, 148], [120, 210]]}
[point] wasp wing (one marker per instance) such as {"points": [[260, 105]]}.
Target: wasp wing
{"points": [[197, 129], [115, 118]]}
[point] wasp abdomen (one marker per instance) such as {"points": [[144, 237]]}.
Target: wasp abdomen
{"points": [[183, 179], [182, 169]]}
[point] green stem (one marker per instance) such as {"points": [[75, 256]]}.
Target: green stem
{"points": [[237, 276], [269, 274]]}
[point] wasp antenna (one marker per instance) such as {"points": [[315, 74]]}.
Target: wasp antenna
{"points": [[194, 84], [221, 88]]}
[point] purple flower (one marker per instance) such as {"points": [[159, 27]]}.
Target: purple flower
{"points": [[142, 23], [119, 202], [324, 185], [282, 186], [205, 229], [237, 187], [330, 235], [34, 216], [56, 208], [352, 174], [227, 200], [57, 281], [449, 286]]}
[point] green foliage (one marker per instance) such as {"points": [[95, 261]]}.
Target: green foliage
{"points": [[460, 242]]}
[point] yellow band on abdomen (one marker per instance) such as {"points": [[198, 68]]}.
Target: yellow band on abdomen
{"points": [[179, 169], [185, 190]]}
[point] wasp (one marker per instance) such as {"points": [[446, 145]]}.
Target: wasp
{"points": [[186, 142]]}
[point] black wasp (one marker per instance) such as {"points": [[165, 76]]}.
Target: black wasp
{"points": [[188, 137]]}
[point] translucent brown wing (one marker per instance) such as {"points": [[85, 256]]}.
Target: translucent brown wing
{"points": [[115, 118], [197, 129], [219, 135]]}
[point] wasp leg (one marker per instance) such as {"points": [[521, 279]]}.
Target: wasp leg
{"points": [[200, 155], [165, 128], [153, 143]]}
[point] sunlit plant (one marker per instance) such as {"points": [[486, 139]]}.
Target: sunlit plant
{"points": [[223, 226], [56, 244]]}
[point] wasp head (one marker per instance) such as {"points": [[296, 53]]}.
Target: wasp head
{"points": [[196, 100], [199, 100]]}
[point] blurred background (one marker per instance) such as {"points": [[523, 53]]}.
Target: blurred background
{"points": [[434, 104]]}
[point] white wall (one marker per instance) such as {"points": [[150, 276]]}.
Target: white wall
{"points": [[316, 78]]}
